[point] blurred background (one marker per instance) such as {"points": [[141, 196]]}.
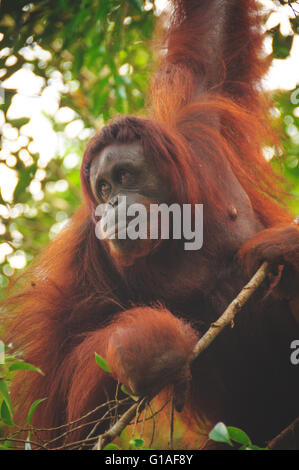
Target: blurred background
{"points": [[65, 68]]}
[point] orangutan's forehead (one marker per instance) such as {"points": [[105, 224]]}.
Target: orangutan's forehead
{"points": [[114, 153]]}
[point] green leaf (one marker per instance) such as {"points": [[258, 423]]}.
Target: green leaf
{"points": [[253, 447], [136, 442], [281, 44], [6, 445], [102, 363], [127, 392], [239, 436], [18, 122], [220, 434], [111, 446], [138, 4], [5, 394], [295, 24], [33, 408], [6, 415], [21, 365], [25, 177]]}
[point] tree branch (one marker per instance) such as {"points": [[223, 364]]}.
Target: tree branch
{"points": [[288, 439], [120, 425]]}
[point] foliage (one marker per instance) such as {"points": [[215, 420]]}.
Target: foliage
{"points": [[12, 364], [102, 363], [13, 434], [233, 437], [288, 106], [97, 54]]}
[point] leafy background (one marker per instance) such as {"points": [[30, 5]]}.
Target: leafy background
{"points": [[96, 55]]}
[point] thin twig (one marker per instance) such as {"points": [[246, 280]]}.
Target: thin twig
{"points": [[171, 423], [143, 421], [117, 428], [154, 426], [32, 443]]}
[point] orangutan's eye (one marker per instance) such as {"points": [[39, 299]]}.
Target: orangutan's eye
{"points": [[104, 189]]}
